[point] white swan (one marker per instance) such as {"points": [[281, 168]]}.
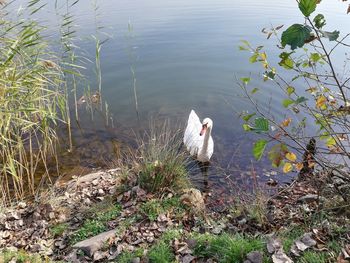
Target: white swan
{"points": [[199, 146]]}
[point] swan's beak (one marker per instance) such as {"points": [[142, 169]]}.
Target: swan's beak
{"points": [[204, 128]]}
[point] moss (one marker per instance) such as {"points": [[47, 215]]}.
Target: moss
{"points": [[226, 248]]}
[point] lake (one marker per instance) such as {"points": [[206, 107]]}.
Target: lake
{"points": [[185, 56]]}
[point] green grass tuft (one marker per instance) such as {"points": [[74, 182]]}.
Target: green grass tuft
{"points": [[153, 208], [127, 257], [57, 230], [161, 253], [162, 165], [97, 225], [226, 248], [313, 257], [20, 256]]}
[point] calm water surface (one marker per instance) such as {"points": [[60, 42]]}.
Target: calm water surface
{"points": [[185, 56]]}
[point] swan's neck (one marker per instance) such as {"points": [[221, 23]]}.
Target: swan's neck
{"points": [[206, 139]]}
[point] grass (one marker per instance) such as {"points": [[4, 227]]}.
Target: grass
{"points": [[161, 163], [226, 248], [161, 253], [153, 208], [313, 257], [96, 225], [58, 229], [20, 256], [127, 257]]}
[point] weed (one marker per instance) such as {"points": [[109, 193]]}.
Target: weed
{"points": [[57, 230], [161, 253], [226, 248]]}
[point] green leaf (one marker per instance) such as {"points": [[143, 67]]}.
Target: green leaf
{"points": [[332, 36], [307, 7], [301, 100], [246, 127], [261, 125], [254, 90], [247, 117], [269, 75], [253, 58], [259, 148], [315, 57], [245, 80], [319, 21], [287, 102], [290, 90], [331, 142], [296, 35], [286, 62]]}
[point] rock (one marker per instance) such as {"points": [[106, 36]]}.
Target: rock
{"points": [[98, 255], [101, 192], [255, 257], [91, 245], [136, 260], [188, 259], [193, 198], [273, 244], [281, 257], [311, 198]]}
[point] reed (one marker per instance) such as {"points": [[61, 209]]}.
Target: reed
{"points": [[32, 104]]}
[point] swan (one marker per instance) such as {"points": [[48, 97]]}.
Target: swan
{"points": [[197, 137]]}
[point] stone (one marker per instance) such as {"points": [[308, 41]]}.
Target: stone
{"points": [[93, 244], [311, 198], [98, 255], [136, 260], [188, 259], [255, 257]]}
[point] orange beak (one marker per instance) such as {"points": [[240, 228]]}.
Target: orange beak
{"points": [[204, 128]]}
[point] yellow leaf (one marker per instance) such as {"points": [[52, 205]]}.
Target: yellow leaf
{"points": [[291, 156], [321, 102], [299, 166], [287, 167], [286, 122], [263, 56]]}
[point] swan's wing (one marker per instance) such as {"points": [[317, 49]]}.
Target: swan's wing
{"points": [[192, 139], [210, 147]]}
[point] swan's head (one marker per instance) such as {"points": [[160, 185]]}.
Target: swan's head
{"points": [[207, 123]]}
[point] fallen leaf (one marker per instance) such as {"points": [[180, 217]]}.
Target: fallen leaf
{"points": [[287, 167], [291, 156]]}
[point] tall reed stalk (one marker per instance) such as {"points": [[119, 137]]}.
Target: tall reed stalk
{"points": [[32, 104]]}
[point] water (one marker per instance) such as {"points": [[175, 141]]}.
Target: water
{"points": [[185, 56]]}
